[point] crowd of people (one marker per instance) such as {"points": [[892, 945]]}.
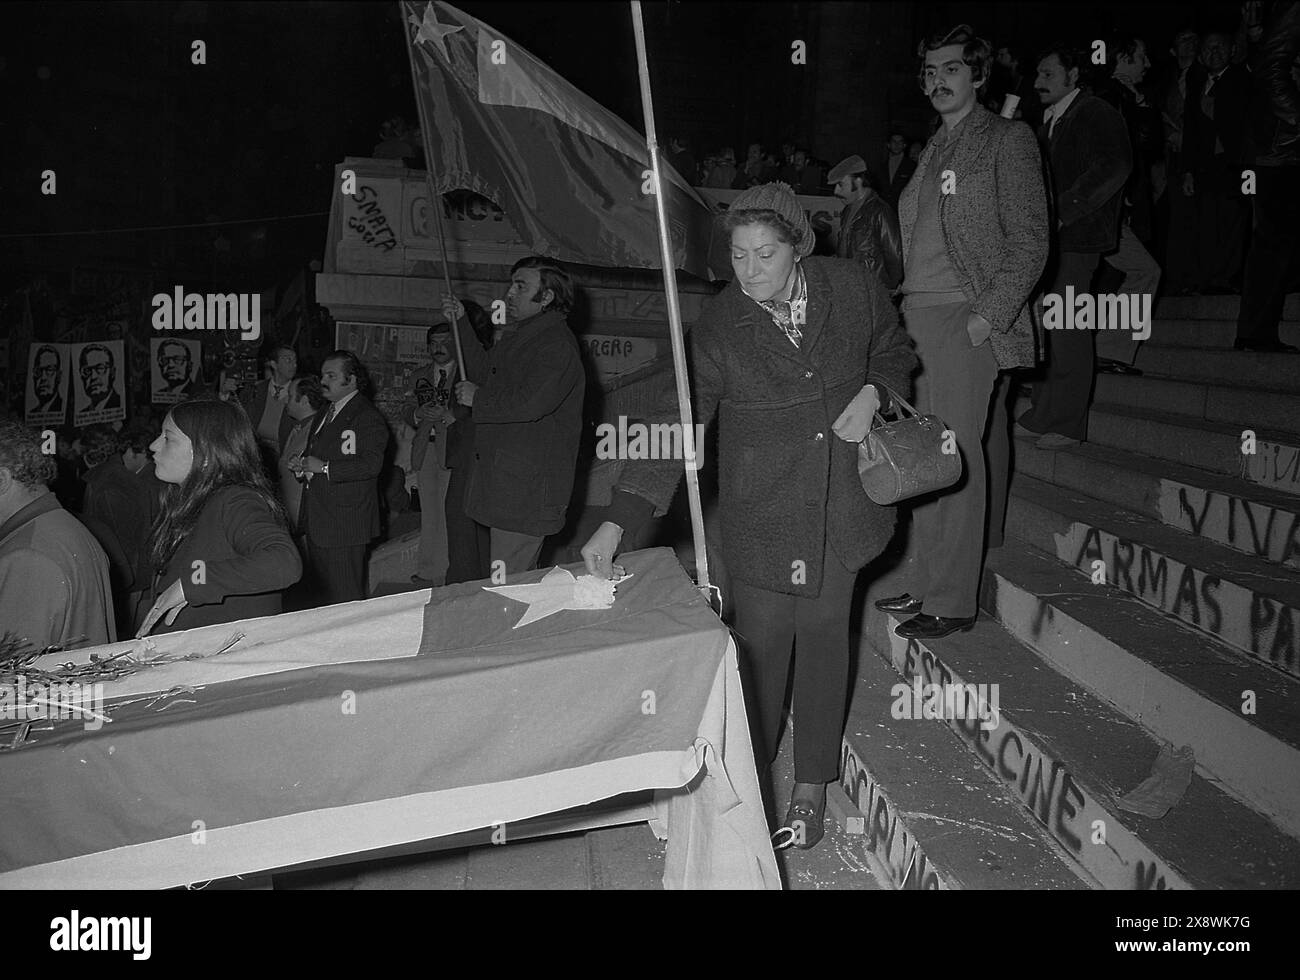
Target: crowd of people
{"points": [[994, 215], [243, 496], [247, 500]]}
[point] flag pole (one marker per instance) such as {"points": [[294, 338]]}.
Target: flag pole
{"points": [[674, 310], [435, 200]]}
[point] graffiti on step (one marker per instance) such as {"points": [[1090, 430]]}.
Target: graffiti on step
{"points": [[1244, 525], [1274, 465], [1043, 784], [1149, 878], [1248, 620], [886, 838], [369, 220]]}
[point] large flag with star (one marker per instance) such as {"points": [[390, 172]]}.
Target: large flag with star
{"points": [[570, 175]]}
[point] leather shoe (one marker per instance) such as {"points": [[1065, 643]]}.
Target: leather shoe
{"points": [[1107, 365], [805, 823], [900, 604], [1267, 346], [925, 627]]}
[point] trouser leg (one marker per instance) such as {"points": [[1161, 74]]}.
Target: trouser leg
{"points": [[1061, 398], [821, 674], [948, 531]]}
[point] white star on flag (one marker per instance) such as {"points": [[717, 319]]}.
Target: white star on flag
{"points": [[431, 30], [557, 591]]}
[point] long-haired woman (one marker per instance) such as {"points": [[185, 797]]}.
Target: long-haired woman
{"points": [[220, 546]]}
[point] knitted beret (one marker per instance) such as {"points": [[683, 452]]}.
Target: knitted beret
{"points": [[779, 197]]}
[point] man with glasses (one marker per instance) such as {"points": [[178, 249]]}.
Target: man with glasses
{"points": [[47, 373], [175, 367], [99, 378]]}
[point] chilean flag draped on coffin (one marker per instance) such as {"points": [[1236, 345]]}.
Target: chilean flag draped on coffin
{"points": [[567, 172]]}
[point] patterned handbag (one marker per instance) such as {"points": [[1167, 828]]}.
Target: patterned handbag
{"points": [[905, 458]]}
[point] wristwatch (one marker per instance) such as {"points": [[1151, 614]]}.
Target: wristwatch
{"points": [[326, 469]]}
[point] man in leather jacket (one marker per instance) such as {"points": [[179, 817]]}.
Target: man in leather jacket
{"points": [[868, 230], [1275, 131]]}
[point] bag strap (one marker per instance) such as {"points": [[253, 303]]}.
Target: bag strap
{"points": [[896, 399]]}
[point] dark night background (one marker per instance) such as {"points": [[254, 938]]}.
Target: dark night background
{"points": [[105, 95]]}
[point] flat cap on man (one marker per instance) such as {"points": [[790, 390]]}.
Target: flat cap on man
{"points": [[849, 165]]}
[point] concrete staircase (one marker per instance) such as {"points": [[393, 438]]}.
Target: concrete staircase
{"points": [[1147, 600]]}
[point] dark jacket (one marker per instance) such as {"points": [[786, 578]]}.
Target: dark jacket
{"points": [[1275, 107], [118, 511], [248, 560], [787, 484], [1146, 144], [342, 510], [995, 226], [871, 237], [527, 425], [253, 400], [901, 176], [1202, 135], [1090, 161]]}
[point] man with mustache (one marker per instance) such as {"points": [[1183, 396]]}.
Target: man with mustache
{"points": [[47, 372], [974, 225], [175, 367], [1088, 147], [99, 378], [527, 408]]}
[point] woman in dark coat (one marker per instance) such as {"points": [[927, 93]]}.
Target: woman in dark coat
{"points": [[220, 546], [794, 356]]}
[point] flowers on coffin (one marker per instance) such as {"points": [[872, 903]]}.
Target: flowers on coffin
{"points": [[560, 590]]}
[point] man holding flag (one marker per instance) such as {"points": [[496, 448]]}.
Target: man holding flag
{"points": [[527, 411]]}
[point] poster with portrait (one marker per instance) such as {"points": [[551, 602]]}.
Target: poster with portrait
{"points": [[173, 369], [49, 384], [99, 382]]}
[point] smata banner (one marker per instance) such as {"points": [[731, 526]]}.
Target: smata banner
{"points": [[173, 369], [49, 381], [100, 386]]}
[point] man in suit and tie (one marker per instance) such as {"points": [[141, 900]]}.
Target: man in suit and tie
{"points": [[340, 500], [1090, 160], [47, 373], [99, 378], [175, 367], [429, 411]]}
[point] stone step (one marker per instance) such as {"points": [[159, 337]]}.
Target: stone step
{"points": [[1241, 407], [1241, 719], [935, 817], [1198, 443], [1185, 332], [1215, 308], [1244, 369], [1247, 603], [1068, 756], [1239, 515]]}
